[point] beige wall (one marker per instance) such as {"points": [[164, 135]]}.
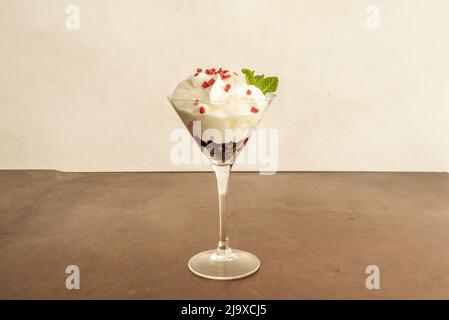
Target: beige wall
{"points": [[350, 98]]}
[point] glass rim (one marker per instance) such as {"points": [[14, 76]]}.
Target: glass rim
{"points": [[268, 98]]}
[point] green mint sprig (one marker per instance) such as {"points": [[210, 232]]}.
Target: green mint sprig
{"points": [[265, 84]]}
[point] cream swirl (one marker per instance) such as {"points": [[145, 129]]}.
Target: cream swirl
{"points": [[221, 100]]}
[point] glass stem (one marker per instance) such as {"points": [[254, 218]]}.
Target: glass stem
{"points": [[222, 174]]}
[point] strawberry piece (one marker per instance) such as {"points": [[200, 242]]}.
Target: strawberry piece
{"points": [[202, 109], [254, 110], [199, 69], [227, 87]]}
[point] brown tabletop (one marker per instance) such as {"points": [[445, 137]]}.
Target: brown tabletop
{"points": [[131, 234]]}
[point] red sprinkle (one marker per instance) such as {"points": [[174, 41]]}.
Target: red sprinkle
{"points": [[205, 84], [195, 74], [235, 73], [225, 76], [225, 71], [202, 110], [248, 92], [227, 87], [199, 69], [211, 81], [254, 110], [209, 72]]}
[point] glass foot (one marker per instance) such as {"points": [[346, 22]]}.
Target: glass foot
{"points": [[224, 265]]}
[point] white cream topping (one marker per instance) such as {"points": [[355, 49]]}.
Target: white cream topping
{"points": [[228, 104]]}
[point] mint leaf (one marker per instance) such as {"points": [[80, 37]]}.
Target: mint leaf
{"points": [[258, 81], [266, 85], [270, 84], [249, 76]]}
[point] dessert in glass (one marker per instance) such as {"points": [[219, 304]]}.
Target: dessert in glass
{"points": [[221, 110]]}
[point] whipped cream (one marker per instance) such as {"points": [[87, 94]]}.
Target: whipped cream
{"points": [[228, 108]]}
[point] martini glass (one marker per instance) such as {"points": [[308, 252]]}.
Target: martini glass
{"points": [[221, 135]]}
